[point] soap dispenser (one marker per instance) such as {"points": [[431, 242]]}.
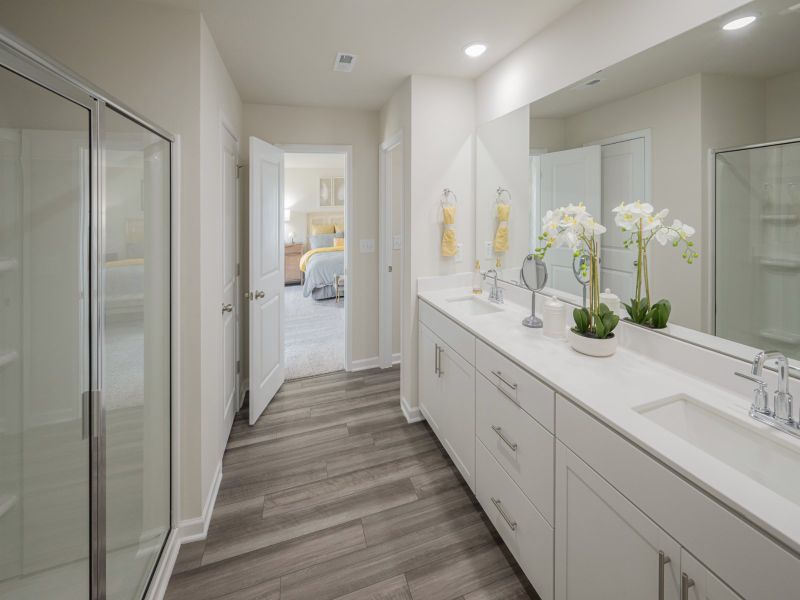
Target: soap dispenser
{"points": [[476, 279]]}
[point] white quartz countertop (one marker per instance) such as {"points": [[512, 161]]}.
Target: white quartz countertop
{"points": [[612, 388]]}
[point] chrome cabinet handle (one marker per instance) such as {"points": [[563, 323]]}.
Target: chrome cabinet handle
{"points": [[663, 561], [259, 294], [499, 506], [502, 436], [436, 359], [686, 583], [227, 308], [499, 375], [439, 353]]}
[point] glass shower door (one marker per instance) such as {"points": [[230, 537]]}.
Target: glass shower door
{"points": [[758, 246], [135, 347], [45, 144]]}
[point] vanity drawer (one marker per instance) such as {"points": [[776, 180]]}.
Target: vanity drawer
{"points": [[526, 533], [519, 386], [450, 332], [519, 443]]}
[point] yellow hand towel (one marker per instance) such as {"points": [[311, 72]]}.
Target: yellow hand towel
{"points": [[449, 247], [501, 235]]}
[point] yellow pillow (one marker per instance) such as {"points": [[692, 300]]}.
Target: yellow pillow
{"points": [[338, 242], [338, 228], [322, 229]]}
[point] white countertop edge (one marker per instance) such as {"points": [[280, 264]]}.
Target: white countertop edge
{"points": [[772, 513]]}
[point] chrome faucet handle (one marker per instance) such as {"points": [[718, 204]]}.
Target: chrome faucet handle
{"points": [[499, 296], [760, 396], [783, 402]]}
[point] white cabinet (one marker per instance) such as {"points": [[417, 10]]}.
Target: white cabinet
{"points": [[606, 548], [447, 399], [700, 583]]}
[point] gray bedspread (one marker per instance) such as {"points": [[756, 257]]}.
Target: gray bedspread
{"points": [[320, 271]]}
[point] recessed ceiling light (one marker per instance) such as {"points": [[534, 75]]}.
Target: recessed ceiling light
{"points": [[475, 50], [738, 23]]}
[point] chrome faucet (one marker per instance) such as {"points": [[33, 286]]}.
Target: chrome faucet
{"points": [[496, 293], [780, 414]]}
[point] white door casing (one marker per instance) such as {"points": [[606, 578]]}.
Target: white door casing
{"points": [[569, 176], [623, 173], [390, 269], [229, 226], [266, 275]]}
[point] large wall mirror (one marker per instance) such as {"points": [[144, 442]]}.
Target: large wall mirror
{"points": [[706, 125]]}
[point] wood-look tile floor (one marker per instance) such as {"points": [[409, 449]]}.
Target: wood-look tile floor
{"points": [[332, 495]]}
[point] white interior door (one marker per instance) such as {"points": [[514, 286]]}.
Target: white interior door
{"points": [[391, 175], [623, 169], [229, 278], [569, 176], [266, 275]]}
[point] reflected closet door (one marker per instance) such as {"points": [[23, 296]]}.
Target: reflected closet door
{"points": [[45, 144], [135, 350]]}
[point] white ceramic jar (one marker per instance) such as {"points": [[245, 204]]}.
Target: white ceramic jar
{"points": [[554, 315]]}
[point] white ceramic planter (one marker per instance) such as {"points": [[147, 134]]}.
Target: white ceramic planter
{"points": [[592, 346]]}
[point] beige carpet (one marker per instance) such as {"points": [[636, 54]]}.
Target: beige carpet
{"points": [[314, 335]]}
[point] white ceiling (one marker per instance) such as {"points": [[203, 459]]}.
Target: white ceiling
{"points": [[314, 160], [282, 51], [767, 48]]}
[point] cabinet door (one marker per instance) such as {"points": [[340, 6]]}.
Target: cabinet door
{"points": [[458, 419], [702, 584], [430, 383], [605, 546]]}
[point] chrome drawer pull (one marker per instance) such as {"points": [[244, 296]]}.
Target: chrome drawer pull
{"points": [[440, 351], [499, 432], [663, 561], [499, 375], [686, 583], [499, 506], [436, 360]]}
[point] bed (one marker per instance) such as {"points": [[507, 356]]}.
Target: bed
{"points": [[321, 266]]}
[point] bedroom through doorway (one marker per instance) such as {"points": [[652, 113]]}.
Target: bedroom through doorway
{"points": [[316, 186]]}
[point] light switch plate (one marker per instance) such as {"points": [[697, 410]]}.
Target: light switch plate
{"points": [[396, 241], [488, 250], [367, 246]]}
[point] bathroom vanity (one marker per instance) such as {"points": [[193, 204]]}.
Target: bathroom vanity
{"points": [[640, 475]]}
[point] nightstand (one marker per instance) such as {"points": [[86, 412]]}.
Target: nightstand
{"points": [[291, 268]]}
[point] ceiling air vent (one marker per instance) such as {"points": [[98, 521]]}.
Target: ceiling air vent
{"points": [[344, 62]]}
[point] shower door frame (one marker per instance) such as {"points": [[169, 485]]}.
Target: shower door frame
{"points": [[710, 245], [26, 62]]}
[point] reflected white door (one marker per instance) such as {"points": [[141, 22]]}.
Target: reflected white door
{"points": [[266, 275], [623, 168], [229, 278], [569, 176]]}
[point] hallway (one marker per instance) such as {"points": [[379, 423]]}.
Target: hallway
{"points": [[331, 495]]}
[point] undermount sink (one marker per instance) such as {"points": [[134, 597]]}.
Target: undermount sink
{"points": [[473, 306], [745, 449]]}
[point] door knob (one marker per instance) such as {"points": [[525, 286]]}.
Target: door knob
{"points": [[227, 308], [248, 295], [260, 294]]}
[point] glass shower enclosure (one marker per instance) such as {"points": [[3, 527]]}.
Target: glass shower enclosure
{"points": [[85, 496], [757, 265]]}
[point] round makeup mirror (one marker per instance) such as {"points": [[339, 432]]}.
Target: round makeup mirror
{"points": [[534, 276]]}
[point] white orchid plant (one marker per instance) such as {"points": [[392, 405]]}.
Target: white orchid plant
{"points": [[573, 227], [643, 224]]}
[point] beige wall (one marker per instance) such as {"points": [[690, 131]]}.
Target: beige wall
{"points": [[158, 60], [359, 129], [783, 99], [301, 195], [220, 106]]}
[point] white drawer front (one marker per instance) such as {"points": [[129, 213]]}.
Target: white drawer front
{"points": [[450, 332], [523, 529], [532, 395], [518, 442]]}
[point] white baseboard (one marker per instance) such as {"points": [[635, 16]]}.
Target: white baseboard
{"points": [[363, 364], [396, 359], [412, 415], [193, 530]]}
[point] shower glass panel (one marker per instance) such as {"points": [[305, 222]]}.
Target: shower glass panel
{"points": [[135, 342], [758, 246], [44, 343]]}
